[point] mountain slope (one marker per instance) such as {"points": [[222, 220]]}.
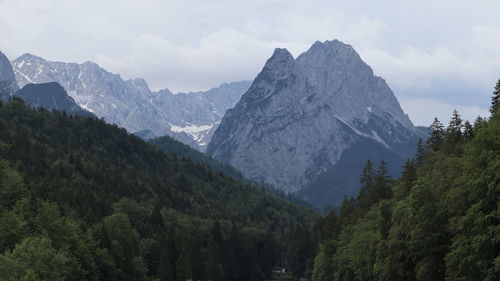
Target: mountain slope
{"points": [[8, 84], [300, 116], [50, 96], [131, 104], [94, 203], [180, 150]]}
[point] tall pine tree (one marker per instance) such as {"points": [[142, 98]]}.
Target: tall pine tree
{"points": [[437, 135], [495, 100]]}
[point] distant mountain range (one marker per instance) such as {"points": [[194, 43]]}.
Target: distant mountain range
{"points": [[305, 126], [191, 118], [308, 125]]}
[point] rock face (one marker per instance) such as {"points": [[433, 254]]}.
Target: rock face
{"points": [[50, 96], [301, 119], [8, 84], [195, 116], [131, 104]]}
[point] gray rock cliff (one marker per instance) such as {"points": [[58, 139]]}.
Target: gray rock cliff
{"points": [[8, 83], [300, 115]]}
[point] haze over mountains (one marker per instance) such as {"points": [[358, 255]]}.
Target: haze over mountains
{"points": [[304, 120], [190, 118]]}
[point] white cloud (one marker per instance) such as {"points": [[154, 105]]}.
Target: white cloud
{"points": [[443, 54]]}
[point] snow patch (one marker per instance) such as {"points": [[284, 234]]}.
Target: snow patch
{"points": [[379, 139], [375, 136], [25, 76], [198, 133], [189, 129], [86, 107]]}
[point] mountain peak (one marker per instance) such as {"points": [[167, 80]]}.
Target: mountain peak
{"points": [[50, 95], [330, 53], [300, 116], [281, 54], [27, 57]]}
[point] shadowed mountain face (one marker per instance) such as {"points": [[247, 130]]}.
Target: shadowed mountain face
{"points": [[191, 118], [8, 84], [304, 118], [50, 96]]}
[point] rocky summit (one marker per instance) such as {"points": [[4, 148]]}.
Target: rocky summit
{"points": [[309, 124], [191, 118], [8, 84]]}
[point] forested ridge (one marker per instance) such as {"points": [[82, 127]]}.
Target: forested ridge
{"points": [[84, 200], [439, 221], [180, 150]]}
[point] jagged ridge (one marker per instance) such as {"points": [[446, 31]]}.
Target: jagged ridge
{"points": [[300, 116]]}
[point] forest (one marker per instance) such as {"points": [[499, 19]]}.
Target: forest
{"points": [[439, 221], [84, 200]]}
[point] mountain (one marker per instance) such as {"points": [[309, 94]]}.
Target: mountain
{"points": [[131, 104], [107, 95], [8, 84], [50, 96], [303, 120], [197, 115], [84, 200]]}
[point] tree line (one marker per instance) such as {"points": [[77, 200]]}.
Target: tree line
{"points": [[439, 221]]}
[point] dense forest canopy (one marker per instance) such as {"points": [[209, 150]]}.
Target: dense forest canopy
{"points": [[84, 200], [439, 221]]}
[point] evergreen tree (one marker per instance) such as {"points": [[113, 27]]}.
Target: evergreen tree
{"points": [[409, 176], [495, 100], [468, 133], [382, 190], [454, 130], [437, 135], [421, 150], [168, 258], [215, 261], [367, 182]]}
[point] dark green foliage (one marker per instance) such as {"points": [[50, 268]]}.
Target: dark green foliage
{"points": [[437, 135], [421, 150], [439, 222], [180, 150], [495, 99], [183, 151], [83, 200]]}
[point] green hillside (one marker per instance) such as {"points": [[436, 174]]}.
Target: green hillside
{"points": [[84, 200]]}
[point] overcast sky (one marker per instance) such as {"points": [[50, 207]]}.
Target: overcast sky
{"points": [[435, 55]]}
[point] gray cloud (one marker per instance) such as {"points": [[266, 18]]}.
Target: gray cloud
{"points": [[441, 52]]}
